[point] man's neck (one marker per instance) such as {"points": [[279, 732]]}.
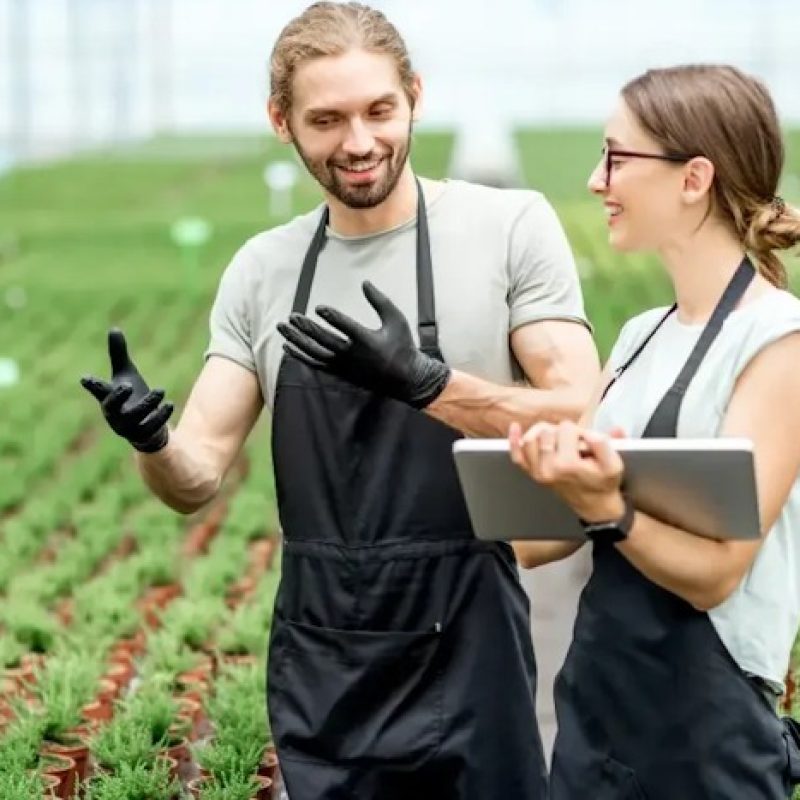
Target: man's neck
{"points": [[399, 207]]}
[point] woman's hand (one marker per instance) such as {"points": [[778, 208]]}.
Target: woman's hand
{"points": [[578, 463]]}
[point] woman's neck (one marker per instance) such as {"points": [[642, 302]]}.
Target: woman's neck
{"points": [[701, 266]]}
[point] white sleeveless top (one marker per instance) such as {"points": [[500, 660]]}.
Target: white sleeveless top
{"points": [[758, 623]]}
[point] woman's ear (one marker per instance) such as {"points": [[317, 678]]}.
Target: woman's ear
{"points": [[698, 179]]}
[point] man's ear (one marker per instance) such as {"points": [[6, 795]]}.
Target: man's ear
{"points": [[279, 122], [416, 93], [698, 179]]}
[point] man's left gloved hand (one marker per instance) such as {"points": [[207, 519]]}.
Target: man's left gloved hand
{"points": [[386, 361]]}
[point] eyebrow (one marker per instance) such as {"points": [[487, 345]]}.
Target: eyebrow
{"points": [[610, 140], [389, 97]]}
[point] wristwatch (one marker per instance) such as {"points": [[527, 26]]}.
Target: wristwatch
{"points": [[612, 531]]}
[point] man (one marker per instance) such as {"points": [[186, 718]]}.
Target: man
{"points": [[400, 656]]}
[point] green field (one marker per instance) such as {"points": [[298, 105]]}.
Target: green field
{"points": [[89, 562]]}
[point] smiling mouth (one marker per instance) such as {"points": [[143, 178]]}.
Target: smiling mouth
{"points": [[364, 166]]}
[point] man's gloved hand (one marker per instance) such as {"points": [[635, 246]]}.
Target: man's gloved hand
{"points": [[385, 361], [131, 409]]}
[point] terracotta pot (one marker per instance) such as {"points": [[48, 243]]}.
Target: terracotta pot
{"points": [[125, 650], [97, 711], [120, 675], [64, 769], [77, 751], [269, 764], [51, 784], [154, 600], [179, 751], [190, 712], [65, 611], [24, 676], [239, 659], [198, 539], [261, 554], [265, 790], [107, 690]]}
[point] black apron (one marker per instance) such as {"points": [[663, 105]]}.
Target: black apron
{"points": [[400, 663], [649, 702]]}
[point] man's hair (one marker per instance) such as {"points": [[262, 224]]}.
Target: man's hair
{"points": [[331, 29]]}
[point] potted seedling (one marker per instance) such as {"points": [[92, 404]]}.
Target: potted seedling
{"points": [[142, 782], [250, 788], [126, 740], [63, 689], [230, 758], [22, 785], [156, 711], [244, 637], [16, 674]]}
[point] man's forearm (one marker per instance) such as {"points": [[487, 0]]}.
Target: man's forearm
{"points": [[480, 408], [179, 475]]}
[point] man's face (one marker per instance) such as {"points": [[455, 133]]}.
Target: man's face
{"points": [[351, 124]]}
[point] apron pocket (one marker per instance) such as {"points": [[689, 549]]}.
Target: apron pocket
{"points": [[343, 696], [618, 782]]}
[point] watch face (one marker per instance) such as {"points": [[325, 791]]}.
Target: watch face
{"points": [[605, 532]]}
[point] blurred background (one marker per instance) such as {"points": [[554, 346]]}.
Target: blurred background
{"points": [[135, 158]]}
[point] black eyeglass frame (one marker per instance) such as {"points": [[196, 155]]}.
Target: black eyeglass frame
{"points": [[609, 152]]}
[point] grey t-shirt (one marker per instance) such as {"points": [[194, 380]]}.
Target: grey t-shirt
{"points": [[759, 621], [500, 261]]}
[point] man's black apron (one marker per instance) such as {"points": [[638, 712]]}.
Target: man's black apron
{"points": [[649, 702], [401, 663]]}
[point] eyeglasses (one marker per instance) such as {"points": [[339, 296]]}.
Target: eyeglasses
{"points": [[609, 153]]}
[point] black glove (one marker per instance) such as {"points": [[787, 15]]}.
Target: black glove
{"points": [[385, 361], [132, 411]]}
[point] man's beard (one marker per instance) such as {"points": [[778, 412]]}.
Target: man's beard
{"points": [[355, 196]]}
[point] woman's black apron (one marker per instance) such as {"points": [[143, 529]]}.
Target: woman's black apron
{"points": [[649, 702]]}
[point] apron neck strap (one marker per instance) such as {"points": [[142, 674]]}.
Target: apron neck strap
{"points": [[664, 422], [426, 306]]}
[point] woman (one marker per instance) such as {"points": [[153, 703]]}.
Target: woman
{"points": [[681, 643]]}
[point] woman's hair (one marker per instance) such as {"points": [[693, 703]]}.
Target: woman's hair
{"points": [[331, 29], [728, 117]]}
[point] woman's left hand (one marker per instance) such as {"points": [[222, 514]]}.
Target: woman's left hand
{"points": [[578, 463]]}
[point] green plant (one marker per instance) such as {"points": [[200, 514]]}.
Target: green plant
{"points": [[20, 746], [245, 633], [31, 625], [153, 708], [166, 656], [237, 706], [142, 782], [21, 784], [63, 689], [11, 652], [231, 758], [191, 620], [237, 789], [125, 740]]}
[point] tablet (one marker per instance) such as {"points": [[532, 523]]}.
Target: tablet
{"points": [[705, 486]]}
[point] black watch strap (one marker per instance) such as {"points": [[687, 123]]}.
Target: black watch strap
{"points": [[612, 531]]}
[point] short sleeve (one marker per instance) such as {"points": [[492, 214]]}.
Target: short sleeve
{"points": [[230, 321], [543, 278], [764, 332]]}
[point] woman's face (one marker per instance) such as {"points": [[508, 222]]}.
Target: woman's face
{"points": [[642, 196]]}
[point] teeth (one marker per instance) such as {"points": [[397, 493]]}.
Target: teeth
{"points": [[613, 211], [361, 168]]}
